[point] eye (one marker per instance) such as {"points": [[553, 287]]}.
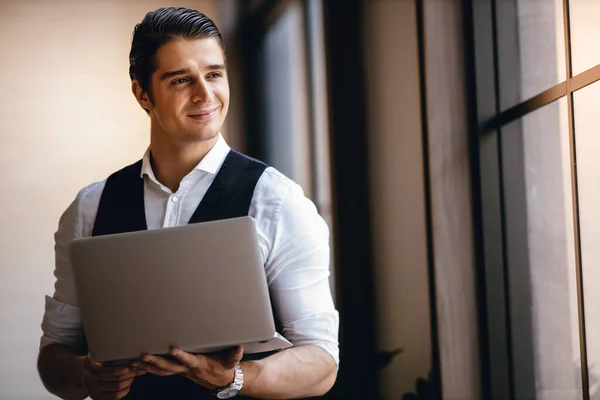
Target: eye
{"points": [[180, 81], [214, 75]]}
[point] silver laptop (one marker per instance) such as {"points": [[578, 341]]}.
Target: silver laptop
{"points": [[200, 287]]}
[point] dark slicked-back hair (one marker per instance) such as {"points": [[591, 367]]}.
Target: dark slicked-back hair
{"points": [[159, 27]]}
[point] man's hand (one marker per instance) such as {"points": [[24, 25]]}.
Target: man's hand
{"points": [[107, 382], [209, 370]]}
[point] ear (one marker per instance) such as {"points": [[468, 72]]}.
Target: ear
{"points": [[141, 95]]}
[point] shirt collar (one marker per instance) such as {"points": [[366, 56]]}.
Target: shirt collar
{"points": [[211, 162]]}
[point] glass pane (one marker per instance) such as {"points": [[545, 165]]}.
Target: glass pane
{"points": [[540, 255], [587, 123], [585, 30], [286, 113], [531, 47]]}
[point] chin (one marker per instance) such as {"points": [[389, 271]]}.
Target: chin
{"points": [[200, 136]]}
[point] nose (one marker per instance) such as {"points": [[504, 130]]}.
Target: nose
{"points": [[202, 92]]}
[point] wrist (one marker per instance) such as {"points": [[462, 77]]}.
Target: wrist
{"points": [[234, 387], [252, 370], [222, 383]]}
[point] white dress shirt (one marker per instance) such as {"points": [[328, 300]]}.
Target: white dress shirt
{"points": [[293, 238]]}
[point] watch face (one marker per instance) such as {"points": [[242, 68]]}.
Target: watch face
{"points": [[227, 393]]}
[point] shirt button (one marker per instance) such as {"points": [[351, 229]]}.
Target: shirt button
{"points": [[174, 199]]}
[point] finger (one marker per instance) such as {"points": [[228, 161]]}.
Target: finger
{"points": [[100, 370], [132, 373], [191, 361], [151, 369], [138, 371], [112, 387], [93, 364], [233, 357], [113, 373], [164, 364], [123, 393], [114, 395], [237, 354]]}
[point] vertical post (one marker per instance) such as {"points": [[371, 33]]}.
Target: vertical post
{"points": [[349, 140]]}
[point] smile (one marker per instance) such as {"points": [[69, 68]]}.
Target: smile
{"points": [[204, 115]]}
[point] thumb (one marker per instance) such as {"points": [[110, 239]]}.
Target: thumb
{"points": [[93, 364], [237, 354], [234, 357]]}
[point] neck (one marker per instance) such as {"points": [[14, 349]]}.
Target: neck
{"points": [[171, 162]]}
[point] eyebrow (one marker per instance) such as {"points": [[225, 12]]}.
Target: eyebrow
{"points": [[183, 71], [216, 67], [170, 74]]}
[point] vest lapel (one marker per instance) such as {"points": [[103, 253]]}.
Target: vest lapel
{"points": [[121, 208], [231, 192]]}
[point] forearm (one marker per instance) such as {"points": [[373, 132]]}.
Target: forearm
{"points": [[60, 371], [303, 371]]}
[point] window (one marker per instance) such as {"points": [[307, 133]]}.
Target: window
{"points": [[286, 98], [535, 63], [295, 103]]}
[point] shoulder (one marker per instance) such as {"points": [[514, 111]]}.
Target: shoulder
{"points": [[132, 170], [236, 154], [278, 197], [273, 188], [287, 221], [86, 206], [79, 217], [90, 193], [88, 198]]}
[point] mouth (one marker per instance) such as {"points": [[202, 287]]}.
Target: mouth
{"points": [[204, 115]]}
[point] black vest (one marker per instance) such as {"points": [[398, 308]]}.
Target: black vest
{"points": [[121, 209]]}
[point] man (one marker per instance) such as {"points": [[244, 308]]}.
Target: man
{"points": [[179, 77]]}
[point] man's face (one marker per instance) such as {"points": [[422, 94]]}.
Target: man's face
{"points": [[190, 90]]}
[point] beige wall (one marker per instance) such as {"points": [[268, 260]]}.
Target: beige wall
{"points": [[397, 192], [67, 118]]}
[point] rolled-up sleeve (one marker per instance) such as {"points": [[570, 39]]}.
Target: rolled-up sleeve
{"points": [[298, 274], [61, 322]]}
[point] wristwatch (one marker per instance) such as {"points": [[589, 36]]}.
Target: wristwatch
{"points": [[234, 388]]}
